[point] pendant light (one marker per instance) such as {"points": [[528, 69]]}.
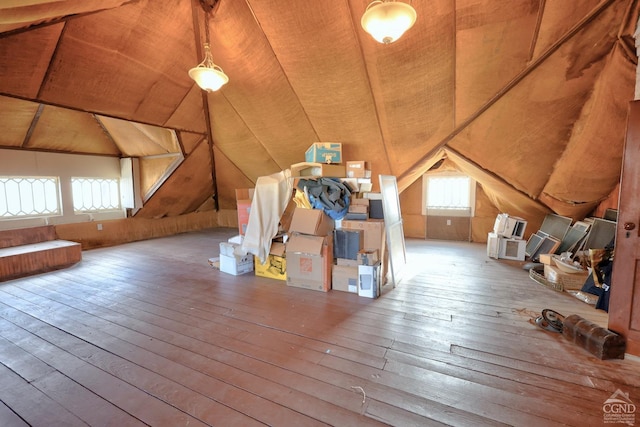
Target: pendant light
{"points": [[387, 20], [208, 75]]}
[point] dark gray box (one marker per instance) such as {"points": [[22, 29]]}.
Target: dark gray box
{"points": [[347, 243]]}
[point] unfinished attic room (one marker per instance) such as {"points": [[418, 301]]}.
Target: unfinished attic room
{"points": [[319, 213]]}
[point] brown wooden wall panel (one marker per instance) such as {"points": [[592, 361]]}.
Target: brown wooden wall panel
{"points": [[448, 228], [25, 236], [116, 232]]}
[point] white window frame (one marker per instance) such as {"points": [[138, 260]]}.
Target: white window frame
{"points": [[94, 188], [30, 197], [453, 212]]}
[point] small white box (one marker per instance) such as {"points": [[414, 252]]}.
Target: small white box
{"points": [[368, 280], [236, 264]]}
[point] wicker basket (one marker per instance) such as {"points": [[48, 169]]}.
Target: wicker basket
{"points": [[539, 278]]}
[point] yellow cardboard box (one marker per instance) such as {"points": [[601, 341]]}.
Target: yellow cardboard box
{"points": [[275, 266]]}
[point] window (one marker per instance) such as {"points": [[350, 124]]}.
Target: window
{"points": [[95, 194], [26, 196], [448, 194]]}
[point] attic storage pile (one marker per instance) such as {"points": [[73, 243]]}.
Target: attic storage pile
{"points": [[576, 258], [316, 226]]}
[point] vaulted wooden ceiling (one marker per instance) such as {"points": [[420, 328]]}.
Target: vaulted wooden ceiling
{"points": [[528, 96]]}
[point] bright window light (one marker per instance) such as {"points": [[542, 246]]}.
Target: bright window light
{"points": [[448, 194], [28, 196], [95, 194]]}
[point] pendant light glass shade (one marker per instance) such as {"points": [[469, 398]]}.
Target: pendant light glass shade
{"points": [[387, 21], [208, 75]]}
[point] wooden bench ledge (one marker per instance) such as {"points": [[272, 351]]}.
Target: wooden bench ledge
{"points": [[35, 258]]}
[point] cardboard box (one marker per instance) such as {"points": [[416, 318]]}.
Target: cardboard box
{"points": [[311, 221], [370, 257], [358, 169], [307, 169], [237, 264], [373, 232], [361, 209], [324, 152], [275, 267], [546, 259], [368, 280], [344, 262], [568, 281], [355, 201], [309, 261], [244, 196], [345, 278], [347, 243]]}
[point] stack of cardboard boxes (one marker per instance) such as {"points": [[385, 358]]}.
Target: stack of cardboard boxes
{"points": [[316, 252]]}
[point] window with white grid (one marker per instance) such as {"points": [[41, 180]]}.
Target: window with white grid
{"points": [[448, 194], [28, 196], [95, 194]]}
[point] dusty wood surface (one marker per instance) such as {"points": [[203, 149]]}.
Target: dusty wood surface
{"points": [[148, 333], [26, 236]]}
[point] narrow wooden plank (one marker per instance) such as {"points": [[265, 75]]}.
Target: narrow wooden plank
{"points": [[22, 362], [158, 374], [462, 395], [271, 390], [8, 418], [22, 398], [136, 401], [83, 403]]}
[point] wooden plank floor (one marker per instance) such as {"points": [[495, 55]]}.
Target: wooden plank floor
{"points": [[149, 334]]}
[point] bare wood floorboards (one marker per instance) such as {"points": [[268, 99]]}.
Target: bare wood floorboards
{"points": [[148, 333]]}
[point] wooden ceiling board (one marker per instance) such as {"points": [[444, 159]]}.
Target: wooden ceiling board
{"points": [[185, 190], [588, 175], [189, 114], [151, 170], [139, 140], [258, 92], [16, 117], [116, 62], [20, 14], [318, 49], [558, 17], [190, 140], [578, 211], [412, 81], [504, 196], [232, 136], [409, 177], [492, 47], [229, 177], [60, 129], [533, 121], [25, 59]]}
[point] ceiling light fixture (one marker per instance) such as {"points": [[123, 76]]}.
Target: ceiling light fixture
{"points": [[208, 75], [387, 20]]}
